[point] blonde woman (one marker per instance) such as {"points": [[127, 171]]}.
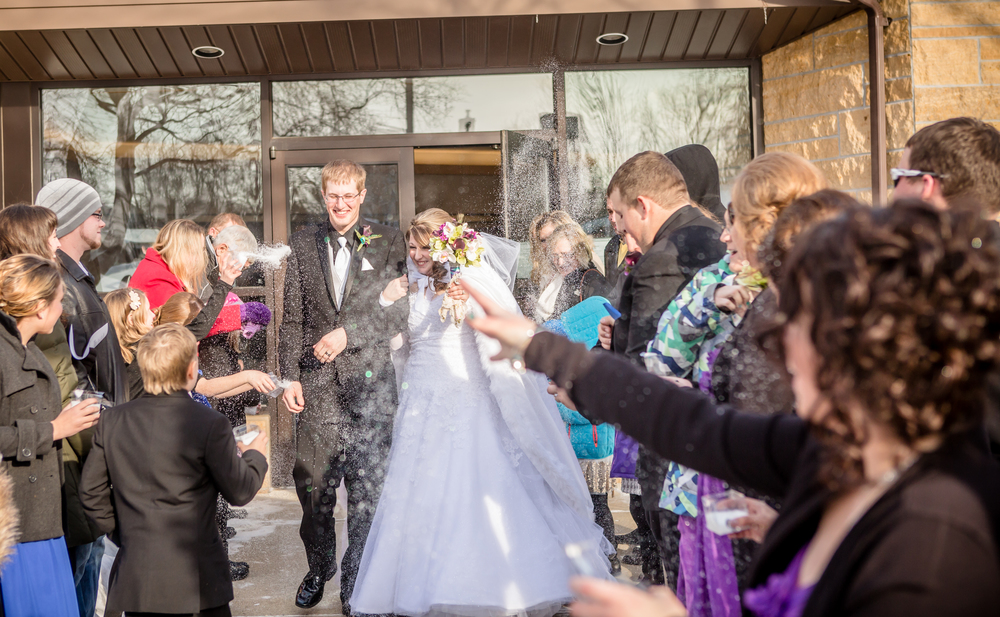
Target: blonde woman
{"points": [[38, 578], [539, 231], [482, 490], [176, 262], [575, 276]]}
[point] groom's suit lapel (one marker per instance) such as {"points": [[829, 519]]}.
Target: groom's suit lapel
{"points": [[357, 257], [322, 240]]}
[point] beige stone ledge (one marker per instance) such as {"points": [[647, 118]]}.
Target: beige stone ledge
{"points": [[848, 173], [897, 37], [855, 128], [813, 94], [989, 49], [814, 150], [935, 104], [956, 14], [842, 48], [991, 72], [952, 32], [945, 62], [800, 128], [796, 57]]}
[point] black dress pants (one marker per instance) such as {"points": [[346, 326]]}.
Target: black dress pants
{"points": [[360, 461]]}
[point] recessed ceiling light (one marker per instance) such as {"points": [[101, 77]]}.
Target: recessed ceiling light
{"points": [[612, 38], [207, 52]]}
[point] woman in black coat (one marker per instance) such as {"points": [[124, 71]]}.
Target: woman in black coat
{"points": [[38, 578], [891, 500]]}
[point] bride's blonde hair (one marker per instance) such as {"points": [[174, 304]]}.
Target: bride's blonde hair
{"points": [[422, 228]]}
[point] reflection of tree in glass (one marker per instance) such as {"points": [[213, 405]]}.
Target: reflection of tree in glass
{"points": [[626, 112], [358, 106], [166, 152]]}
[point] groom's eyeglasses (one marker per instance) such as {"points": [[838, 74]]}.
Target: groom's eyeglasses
{"points": [[347, 199]]}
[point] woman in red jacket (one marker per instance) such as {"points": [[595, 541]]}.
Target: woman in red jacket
{"points": [[176, 262]]}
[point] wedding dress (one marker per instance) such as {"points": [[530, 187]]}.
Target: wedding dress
{"points": [[483, 490]]}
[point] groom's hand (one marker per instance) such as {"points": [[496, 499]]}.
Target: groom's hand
{"points": [[330, 346], [293, 398]]}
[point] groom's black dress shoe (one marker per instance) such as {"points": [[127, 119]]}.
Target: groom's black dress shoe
{"points": [[310, 591]]}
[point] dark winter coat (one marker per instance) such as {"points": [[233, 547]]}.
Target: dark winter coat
{"points": [[363, 371], [152, 481], [749, 376], [927, 547], [613, 268], [687, 242], [29, 402], [84, 314]]}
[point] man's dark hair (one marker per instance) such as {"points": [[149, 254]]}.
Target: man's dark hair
{"points": [[966, 152]]}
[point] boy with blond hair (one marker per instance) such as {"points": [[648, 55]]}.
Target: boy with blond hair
{"points": [[152, 480]]}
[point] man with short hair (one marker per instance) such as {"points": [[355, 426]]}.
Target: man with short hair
{"points": [[152, 480], [650, 201], [950, 161], [92, 340], [334, 347]]}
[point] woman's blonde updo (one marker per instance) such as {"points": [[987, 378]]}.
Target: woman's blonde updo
{"points": [[422, 228], [541, 265], [766, 186], [28, 284]]}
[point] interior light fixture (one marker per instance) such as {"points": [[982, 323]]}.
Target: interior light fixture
{"points": [[207, 52], [612, 38]]}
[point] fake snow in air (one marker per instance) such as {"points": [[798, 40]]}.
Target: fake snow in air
{"points": [[267, 255]]}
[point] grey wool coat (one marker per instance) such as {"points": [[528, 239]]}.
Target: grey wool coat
{"points": [[29, 401]]}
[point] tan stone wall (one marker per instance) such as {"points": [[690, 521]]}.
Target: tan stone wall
{"points": [[956, 60], [816, 97]]}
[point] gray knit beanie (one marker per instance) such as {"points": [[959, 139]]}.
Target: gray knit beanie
{"points": [[72, 201]]}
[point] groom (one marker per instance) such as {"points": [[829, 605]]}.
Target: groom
{"points": [[334, 347]]}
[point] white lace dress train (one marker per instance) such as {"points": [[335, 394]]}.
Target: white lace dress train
{"points": [[466, 524]]}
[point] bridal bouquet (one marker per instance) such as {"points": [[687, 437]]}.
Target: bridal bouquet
{"points": [[456, 245]]}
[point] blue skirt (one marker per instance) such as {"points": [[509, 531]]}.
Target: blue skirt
{"points": [[37, 581]]}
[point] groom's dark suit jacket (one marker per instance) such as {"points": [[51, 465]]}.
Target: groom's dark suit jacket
{"points": [[310, 312]]}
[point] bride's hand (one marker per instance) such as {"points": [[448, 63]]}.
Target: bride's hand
{"points": [[457, 293], [396, 289], [514, 332]]}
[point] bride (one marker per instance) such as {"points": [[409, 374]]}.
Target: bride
{"points": [[483, 491]]}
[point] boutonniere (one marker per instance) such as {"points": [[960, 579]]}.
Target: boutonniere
{"points": [[365, 236]]}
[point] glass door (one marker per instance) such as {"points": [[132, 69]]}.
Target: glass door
{"points": [[296, 199]]}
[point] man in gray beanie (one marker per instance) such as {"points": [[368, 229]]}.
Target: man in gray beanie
{"points": [[92, 338]]}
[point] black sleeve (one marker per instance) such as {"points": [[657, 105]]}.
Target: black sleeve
{"points": [[204, 320], [653, 287], [95, 485], [679, 424], [290, 343], [238, 479]]}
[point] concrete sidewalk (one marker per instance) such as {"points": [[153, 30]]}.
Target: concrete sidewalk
{"points": [[268, 539]]}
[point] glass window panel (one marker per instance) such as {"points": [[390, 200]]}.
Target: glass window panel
{"points": [[305, 201], [411, 105], [621, 113], [461, 181], [155, 153]]}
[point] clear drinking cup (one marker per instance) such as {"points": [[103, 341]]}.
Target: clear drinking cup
{"points": [[719, 509]]}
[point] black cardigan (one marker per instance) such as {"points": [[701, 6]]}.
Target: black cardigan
{"points": [[927, 547]]}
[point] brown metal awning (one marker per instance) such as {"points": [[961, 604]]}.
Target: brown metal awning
{"points": [[721, 30]]}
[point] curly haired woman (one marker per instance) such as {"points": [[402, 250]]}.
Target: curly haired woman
{"points": [[890, 322]]}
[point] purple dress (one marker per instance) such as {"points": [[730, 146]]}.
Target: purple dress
{"points": [[781, 595]]}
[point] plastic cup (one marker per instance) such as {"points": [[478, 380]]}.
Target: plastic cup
{"points": [[80, 395], [719, 509], [278, 389], [246, 433]]}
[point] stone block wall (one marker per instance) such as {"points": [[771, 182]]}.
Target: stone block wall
{"points": [[816, 97], [956, 60]]}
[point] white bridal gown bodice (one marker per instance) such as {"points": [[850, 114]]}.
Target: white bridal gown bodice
{"points": [[466, 525]]}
